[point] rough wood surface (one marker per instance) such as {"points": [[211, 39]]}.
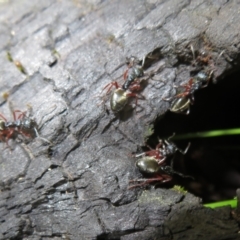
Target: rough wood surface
{"points": [[77, 188]]}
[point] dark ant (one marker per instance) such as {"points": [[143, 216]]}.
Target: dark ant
{"points": [[153, 163], [132, 75], [21, 124], [158, 172], [180, 103], [165, 148], [120, 95]]}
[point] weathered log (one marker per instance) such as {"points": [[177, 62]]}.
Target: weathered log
{"points": [[65, 52]]}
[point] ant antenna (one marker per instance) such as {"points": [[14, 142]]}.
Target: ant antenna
{"points": [[143, 61], [221, 53], [170, 170], [193, 52], [171, 136], [38, 136]]}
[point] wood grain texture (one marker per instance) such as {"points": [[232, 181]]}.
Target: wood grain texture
{"points": [[77, 188]]}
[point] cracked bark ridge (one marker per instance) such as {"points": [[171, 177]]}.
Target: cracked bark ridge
{"points": [[77, 188]]}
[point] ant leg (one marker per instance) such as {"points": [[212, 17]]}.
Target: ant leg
{"points": [[144, 181], [166, 178], [170, 170], [187, 86], [28, 150], [134, 87], [161, 161], [160, 144], [159, 178], [183, 94], [171, 136], [10, 133], [148, 153], [1, 116], [125, 74], [186, 149], [25, 134], [152, 153], [168, 99], [193, 52], [110, 85], [2, 137], [209, 78], [157, 150], [221, 53], [180, 150], [20, 116], [182, 175], [43, 139], [133, 95], [143, 61], [136, 97], [140, 154]]}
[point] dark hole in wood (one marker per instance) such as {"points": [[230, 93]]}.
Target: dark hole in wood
{"points": [[213, 162]]}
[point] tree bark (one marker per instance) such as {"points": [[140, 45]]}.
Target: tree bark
{"points": [[63, 55]]}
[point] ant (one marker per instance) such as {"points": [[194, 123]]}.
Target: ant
{"points": [[21, 124], [158, 172], [132, 75], [121, 94], [153, 163], [180, 103], [164, 149]]}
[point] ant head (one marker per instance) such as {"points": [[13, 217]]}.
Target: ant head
{"points": [[169, 144], [29, 123], [204, 76]]}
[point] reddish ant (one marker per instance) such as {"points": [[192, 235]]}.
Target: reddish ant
{"points": [[120, 95], [164, 149], [132, 75], [21, 124], [180, 103], [153, 163], [158, 172]]}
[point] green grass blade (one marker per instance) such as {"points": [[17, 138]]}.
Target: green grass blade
{"points": [[232, 203], [213, 133]]}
